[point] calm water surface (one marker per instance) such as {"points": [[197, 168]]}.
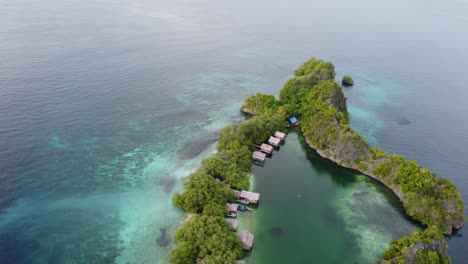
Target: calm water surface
{"points": [[105, 105], [313, 211]]}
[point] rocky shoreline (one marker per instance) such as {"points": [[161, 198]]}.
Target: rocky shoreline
{"points": [[395, 189]]}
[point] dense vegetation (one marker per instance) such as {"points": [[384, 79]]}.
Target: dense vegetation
{"points": [[424, 247], [207, 238], [427, 197], [293, 96], [206, 191], [260, 104]]}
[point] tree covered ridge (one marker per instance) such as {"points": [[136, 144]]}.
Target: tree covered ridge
{"points": [[259, 103], [319, 101], [314, 96], [428, 246]]}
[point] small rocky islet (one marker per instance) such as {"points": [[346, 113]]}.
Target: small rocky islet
{"points": [[317, 99], [347, 81]]}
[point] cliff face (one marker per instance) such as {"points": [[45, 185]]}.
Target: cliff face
{"points": [[436, 246], [425, 196]]}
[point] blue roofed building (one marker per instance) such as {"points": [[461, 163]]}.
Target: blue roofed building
{"points": [[294, 121]]}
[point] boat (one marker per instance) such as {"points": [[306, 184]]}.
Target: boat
{"points": [[242, 208]]}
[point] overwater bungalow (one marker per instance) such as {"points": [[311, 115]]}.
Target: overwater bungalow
{"points": [[265, 148], [233, 224], [246, 197], [231, 209], [246, 239], [274, 141], [258, 156], [280, 135]]}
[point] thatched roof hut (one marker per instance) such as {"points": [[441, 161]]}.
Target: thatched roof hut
{"points": [[274, 141], [232, 210], [246, 197], [246, 239], [280, 135], [266, 148], [259, 156], [233, 224]]}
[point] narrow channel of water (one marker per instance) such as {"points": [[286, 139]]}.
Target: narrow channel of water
{"points": [[312, 211]]}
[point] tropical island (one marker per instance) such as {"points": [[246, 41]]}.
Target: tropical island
{"points": [[317, 99]]}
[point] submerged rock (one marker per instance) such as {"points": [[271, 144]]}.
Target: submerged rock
{"points": [[167, 184], [403, 121], [276, 231], [360, 194], [196, 147], [163, 240]]}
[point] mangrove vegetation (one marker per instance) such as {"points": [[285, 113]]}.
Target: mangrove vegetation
{"points": [[206, 237]]}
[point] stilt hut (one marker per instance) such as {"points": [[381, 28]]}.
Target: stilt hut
{"points": [[294, 121], [231, 210], [258, 156], [265, 148], [245, 197], [280, 135], [233, 224], [274, 141], [246, 239]]}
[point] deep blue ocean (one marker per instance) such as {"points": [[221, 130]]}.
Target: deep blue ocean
{"points": [[105, 105]]}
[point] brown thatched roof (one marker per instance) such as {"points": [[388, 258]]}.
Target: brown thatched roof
{"points": [[280, 135], [252, 197], [274, 141], [233, 224], [246, 239], [257, 155], [231, 207], [266, 148]]}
